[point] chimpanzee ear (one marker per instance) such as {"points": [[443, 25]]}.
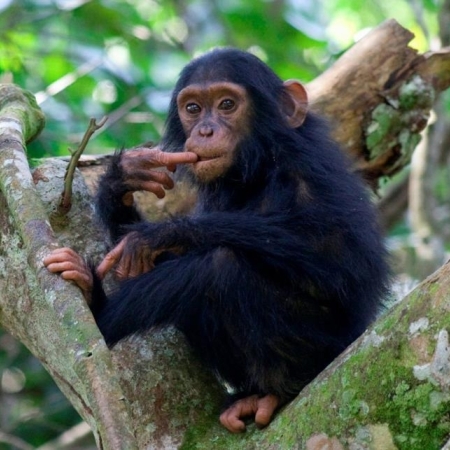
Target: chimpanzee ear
{"points": [[294, 103]]}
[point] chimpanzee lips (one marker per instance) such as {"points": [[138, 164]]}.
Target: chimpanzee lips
{"points": [[206, 158], [206, 161]]}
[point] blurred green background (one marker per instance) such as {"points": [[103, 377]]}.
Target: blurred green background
{"points": [[87, 59]]}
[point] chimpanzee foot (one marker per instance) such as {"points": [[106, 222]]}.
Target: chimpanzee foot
{"points": [[262, 408]]}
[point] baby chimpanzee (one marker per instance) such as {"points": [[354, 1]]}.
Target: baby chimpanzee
{"points": [[280, 266]]}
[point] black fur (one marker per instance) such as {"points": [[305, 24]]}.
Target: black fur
{"points": [[283, 265], [113, 214]]}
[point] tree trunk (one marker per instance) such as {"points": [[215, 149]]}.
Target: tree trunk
{"points": [[389, 390]]}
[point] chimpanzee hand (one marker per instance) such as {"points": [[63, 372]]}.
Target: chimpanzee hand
{"points": [[138, 166], [262, 408], [72, 267], [131, 256]]}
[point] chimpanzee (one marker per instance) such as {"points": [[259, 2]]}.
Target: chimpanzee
{"points": [[281, 264]]}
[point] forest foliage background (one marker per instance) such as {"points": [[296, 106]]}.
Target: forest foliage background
{"points": [[121, 58]]}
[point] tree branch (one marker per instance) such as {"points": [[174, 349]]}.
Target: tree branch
{"points": [[378, 97], [86, 375]]}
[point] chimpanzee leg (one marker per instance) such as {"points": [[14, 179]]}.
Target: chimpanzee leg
{"points": [[235, 320], [167, 295]]}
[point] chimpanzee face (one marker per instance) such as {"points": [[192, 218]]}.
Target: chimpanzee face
{"points": [[215, 118]]}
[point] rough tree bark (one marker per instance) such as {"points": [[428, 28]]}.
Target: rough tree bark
{"points": [[391, 389]]}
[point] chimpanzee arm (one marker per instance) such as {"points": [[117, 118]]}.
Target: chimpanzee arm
{"points": [[267, 240], [235, 230], [111, 210], [130, 172]]}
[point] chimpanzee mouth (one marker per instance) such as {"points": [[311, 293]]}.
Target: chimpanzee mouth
{"points": [[207, 158]]}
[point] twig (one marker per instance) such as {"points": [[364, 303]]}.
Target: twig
{"points": [[70, 437], [66, 197], [15, 441]]}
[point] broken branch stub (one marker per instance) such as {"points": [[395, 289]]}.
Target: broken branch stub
{"points": [[378, 98]]}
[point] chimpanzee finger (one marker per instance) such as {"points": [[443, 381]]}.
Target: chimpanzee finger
{"points": [[149, 186], [266, 408], [231, 422], [131, 165], [166, 159], [62, 266], [145, 263], [123, 269], [148, 264], [59, 255], [162, 178], [154, 188], [134, 268], [130, 260], [156, 176], [231, 418], [82, 279], [64, 259], [158, 158], [141, 261], [128, 199], [140, 152], [111, 259]]}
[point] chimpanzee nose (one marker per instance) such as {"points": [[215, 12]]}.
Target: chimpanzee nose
{"points": [[206, 131]]}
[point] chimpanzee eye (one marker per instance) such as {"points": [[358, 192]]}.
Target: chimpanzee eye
{"points": [[193, 108], [227, 104]]}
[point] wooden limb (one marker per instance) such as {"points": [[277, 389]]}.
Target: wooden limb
{"points": [[378, 96], [66, 197], [44, 318]]}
